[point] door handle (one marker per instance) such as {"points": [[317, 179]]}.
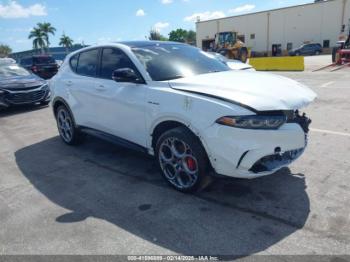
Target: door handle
{"points": [[100, 88], [69, 83]]}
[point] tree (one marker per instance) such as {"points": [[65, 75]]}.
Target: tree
{"points": [[47, 29], [39, 39], [66, 42], [183, 36], [178, 35], [191, 37], [155, 35], [5, 50]]}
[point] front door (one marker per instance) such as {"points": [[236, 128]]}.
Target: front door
{"points": [[121, 107]]}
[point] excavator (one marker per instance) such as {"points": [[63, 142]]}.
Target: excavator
{"points": [[228, 44]]}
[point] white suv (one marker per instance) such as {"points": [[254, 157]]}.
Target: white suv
{"points": [[185, 107]]}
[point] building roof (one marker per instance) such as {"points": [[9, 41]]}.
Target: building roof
{"points": [[267, 11]]}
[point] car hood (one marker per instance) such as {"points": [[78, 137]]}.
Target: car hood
{"points": [[20, 82], [238, 65], [255, 90]]}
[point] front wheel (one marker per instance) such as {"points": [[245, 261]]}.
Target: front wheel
{"points": [[243, 55], [66, 126], [182, 160]]}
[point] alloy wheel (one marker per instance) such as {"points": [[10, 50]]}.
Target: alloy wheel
{"points": [[178, 163], [65, 125]]}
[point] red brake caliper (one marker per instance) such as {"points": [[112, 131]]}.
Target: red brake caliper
{"points": [[191, 164]]}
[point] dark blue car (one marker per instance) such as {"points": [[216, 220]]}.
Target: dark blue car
{"points": [[307, 49], [20, 87]]}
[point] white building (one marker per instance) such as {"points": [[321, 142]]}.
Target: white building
{"points": [[320, 22]]}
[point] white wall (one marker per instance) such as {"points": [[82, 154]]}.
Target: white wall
{"points": [[307, 23]]}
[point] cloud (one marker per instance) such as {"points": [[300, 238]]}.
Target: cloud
{"points": [[140, 12], [15, 10], [243, 8], [204, 16], [166, 2], [161, 25]]}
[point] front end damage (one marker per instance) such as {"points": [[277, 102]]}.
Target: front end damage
{"points": [[245, 153]]}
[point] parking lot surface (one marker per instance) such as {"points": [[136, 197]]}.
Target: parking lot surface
{"points": [[98, 198]]}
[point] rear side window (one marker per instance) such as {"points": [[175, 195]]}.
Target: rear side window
{"points": [[113, 59], [74, 62], [87, 63]]}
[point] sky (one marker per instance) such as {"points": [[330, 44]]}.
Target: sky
{"points": [[100, 21]]}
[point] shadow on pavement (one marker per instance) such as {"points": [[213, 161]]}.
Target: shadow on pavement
{"points": [[100, 180], [20, 109]]}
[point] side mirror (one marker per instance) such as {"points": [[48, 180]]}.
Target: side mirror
{"points": [[126, 75]]}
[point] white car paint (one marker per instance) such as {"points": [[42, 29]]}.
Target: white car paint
{"points": [[132, 111]]}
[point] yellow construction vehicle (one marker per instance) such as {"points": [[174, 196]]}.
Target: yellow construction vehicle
{"points": [[228, 44]]}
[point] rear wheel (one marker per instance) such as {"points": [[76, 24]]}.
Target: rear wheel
{"points": [[66, 126], [182, 160]]}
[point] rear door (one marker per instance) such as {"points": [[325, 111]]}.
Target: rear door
{"points": [[82, 88]]}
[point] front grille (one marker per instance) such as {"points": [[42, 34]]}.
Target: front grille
{"points": [[25, 97]]}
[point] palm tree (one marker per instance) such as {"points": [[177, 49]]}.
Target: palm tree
{"points": [[66, 42], [38, 39], [47, 29]]}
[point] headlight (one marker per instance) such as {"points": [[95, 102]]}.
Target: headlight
{"points": [[253, 122]]}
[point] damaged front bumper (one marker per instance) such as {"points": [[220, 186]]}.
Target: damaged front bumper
{"points": [[245, 153]]}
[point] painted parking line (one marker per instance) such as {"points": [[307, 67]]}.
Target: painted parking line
{"points": [[330, 132], [327, 84]]}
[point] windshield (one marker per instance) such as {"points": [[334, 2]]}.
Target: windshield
{"points": [[172, 61], [44, 60], [12, 70]]}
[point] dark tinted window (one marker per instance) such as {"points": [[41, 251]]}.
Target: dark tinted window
{"points": [[326, 44], [171, 61], [26, 61], [113, 59], [44, 60], [74, 62], [87, 64]]}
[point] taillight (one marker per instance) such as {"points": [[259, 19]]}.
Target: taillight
{"points": [[34, 69]]}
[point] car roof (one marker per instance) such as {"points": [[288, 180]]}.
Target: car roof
{"points": [[133, 44]]}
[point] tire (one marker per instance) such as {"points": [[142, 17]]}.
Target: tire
{"points": [[66, 126], [334, 54], [182, 160], [297, 54], [317, 53], [243, 55]]}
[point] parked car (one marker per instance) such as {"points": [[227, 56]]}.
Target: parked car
{"points": [[20, 87], [231, 63], [44, 66], [186, 108], [307, 49], [7, 60]]}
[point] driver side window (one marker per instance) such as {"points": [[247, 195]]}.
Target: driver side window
{"points": [[113, 59]]}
